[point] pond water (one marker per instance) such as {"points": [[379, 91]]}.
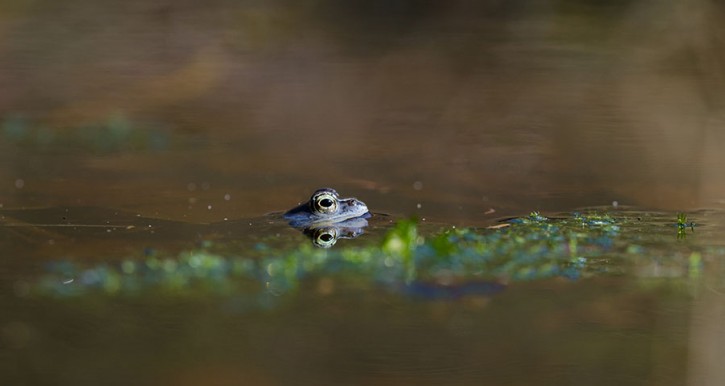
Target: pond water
{"points": [[148, 148]]}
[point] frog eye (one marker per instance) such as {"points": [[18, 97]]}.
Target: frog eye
{"points": [[325, 237], [324, 202]]}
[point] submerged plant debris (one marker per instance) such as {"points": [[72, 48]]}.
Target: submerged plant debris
{"points": [[450, 264]]}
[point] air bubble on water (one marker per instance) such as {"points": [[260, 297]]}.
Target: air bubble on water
{"points": [[19, 183], [208, 207], [227, 197], [419, 206], [615, 204], [417, 185]]}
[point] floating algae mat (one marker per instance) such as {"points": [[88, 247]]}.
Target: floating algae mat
{"points": [[451, 263]]}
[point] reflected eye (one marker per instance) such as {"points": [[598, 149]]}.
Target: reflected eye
{"points": [[325, 238], [324, 203]]}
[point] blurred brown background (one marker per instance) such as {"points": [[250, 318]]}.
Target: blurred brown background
{"points": [[233, 109]]}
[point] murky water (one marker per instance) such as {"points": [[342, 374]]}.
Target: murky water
{"points": [[130, 130], [598, 332]]}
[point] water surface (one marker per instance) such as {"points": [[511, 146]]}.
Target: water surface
{"points": [[134, 131]]}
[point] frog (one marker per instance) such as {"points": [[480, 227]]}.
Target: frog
{"points": [[325, 207]]}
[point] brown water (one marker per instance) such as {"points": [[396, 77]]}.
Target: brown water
{"points": [[187, 113]]}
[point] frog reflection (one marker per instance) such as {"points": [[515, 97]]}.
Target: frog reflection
{"points": [[326, 217], [325, 236]]}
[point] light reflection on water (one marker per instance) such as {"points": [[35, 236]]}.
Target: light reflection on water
{"points": [[458, 113]]}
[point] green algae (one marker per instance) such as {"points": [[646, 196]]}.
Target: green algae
{"points": [[534, 247], [683, 225]]}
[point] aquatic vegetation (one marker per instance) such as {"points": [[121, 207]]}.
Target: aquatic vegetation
{"points": [[451, 263], [682, 225]]}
